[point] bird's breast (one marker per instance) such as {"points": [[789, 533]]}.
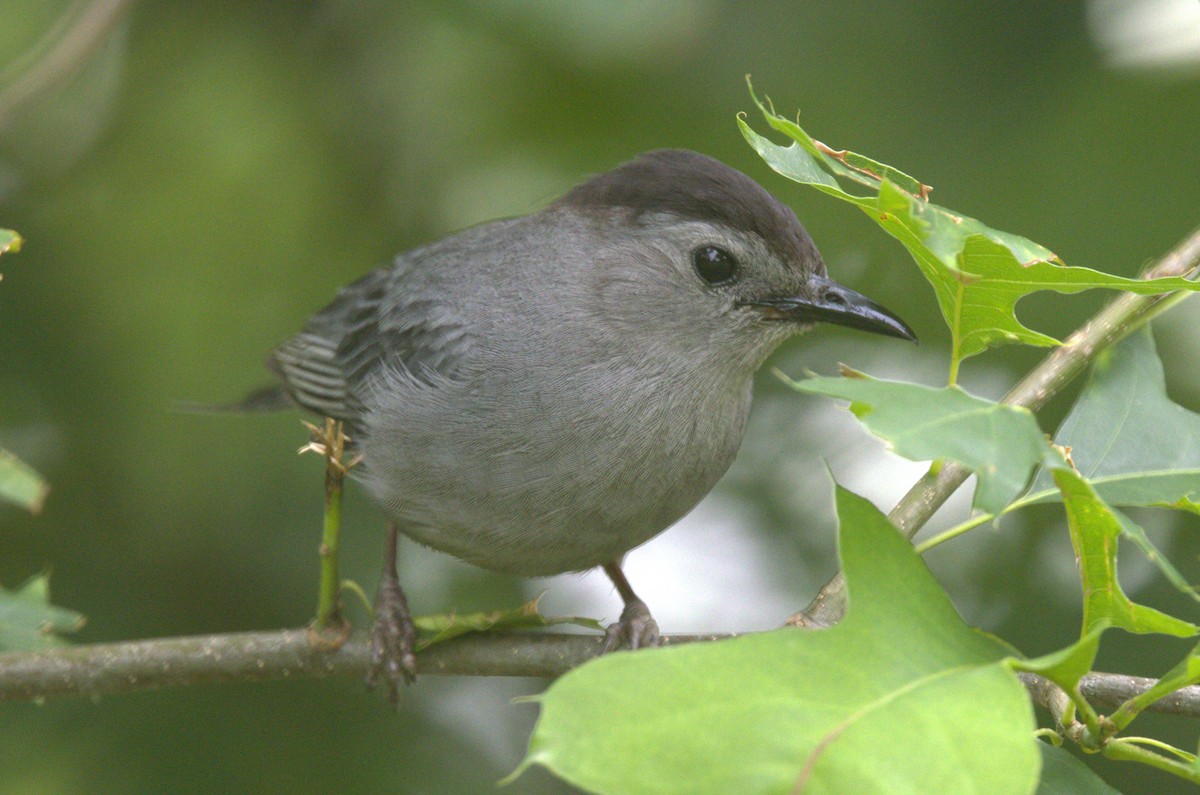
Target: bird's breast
{"points": [[558, 471]]}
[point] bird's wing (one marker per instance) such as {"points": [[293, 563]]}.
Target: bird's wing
{"points": [[374, 326]]}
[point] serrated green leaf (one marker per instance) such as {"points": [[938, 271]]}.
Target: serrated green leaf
{"points": [[978, 273], [28, 621], [1132, 442], [1094, 533], [999, 442], [901, 697], [20, 484], [441, 628]]}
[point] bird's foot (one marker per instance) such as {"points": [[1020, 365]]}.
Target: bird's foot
{"points": [[637, 628], [393, 640]]}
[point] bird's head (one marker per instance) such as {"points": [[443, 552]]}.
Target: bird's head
{"points": [[702, 249]]}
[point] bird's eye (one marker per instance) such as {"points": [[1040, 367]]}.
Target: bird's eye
{"points": [[715, 265]]}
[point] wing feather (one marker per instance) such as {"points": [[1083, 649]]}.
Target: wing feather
{"points": [[373, 326]]}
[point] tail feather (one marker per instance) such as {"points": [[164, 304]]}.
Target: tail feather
{"points": [[260, 401]]}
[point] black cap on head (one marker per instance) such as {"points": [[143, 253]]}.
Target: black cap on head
{"points": [[697, 187]]}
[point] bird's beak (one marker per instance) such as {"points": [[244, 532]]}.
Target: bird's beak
{"points": [[833, 303]]}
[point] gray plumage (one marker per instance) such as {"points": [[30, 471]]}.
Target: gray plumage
{"points": [[542, 394]]}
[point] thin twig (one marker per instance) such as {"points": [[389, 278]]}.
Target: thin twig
{"points": [[1123, 315]]}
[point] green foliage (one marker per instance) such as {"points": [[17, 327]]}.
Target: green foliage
{"points": [[901, 696], [1066, 667], [1132, 442], [1135, 446], [926, 705], [29, 622], [226, 165], [1094, 533], [978, 273], [1000, 443]]}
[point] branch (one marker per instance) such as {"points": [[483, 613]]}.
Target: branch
{"points": [[103, 669], [114, 668], [1123, 315], [1106, 692]]}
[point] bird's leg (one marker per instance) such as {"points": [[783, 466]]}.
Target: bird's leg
{"points": [[637, 627], [393, 636]]}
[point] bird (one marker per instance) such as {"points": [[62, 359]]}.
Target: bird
{"points": [[543, 394]]}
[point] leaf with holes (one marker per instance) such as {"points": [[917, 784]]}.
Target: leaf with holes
{"points": [[978, 273]]}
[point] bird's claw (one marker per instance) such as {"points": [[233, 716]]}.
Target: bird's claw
{"points": [[393, 640], [636, 629]]}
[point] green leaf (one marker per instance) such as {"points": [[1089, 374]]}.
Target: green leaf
{"points": [[29, 622], [978, 273], [901, 697], [10, 241], [1000, 443], [444, 627], [1132, 443], [1135, 533], [1135, 445], [20, 484], [1066, 667], [1064, 774], [1094, 533]]}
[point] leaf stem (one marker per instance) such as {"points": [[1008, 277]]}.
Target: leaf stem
{"points": [[954, 532], [1132, 752], [1160, 745]]}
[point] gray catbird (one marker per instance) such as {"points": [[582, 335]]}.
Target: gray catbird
{"points": [[543, 394]]}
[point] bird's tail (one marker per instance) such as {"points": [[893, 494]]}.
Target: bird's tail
{"points": [[260, 401]]}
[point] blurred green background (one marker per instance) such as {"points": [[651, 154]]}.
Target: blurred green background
{"points": [[212, 172]]}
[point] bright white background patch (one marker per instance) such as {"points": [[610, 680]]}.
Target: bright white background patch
{"points": [[1147, 34]]}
